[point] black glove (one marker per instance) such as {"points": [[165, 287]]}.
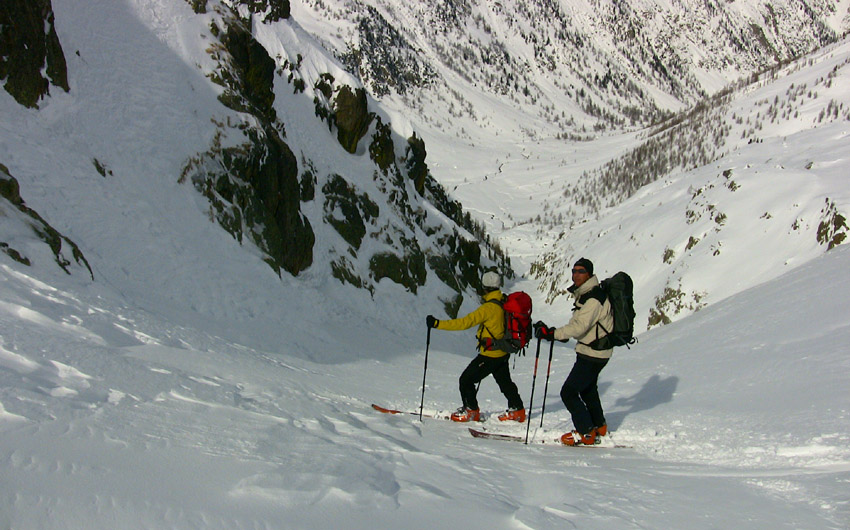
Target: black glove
{"points": [[543, 332], [431, 322]]}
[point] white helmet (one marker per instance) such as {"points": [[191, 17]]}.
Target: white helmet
{"points": [[491, 280]]}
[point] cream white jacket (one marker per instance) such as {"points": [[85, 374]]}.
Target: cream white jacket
{"points": [[582, 326]]}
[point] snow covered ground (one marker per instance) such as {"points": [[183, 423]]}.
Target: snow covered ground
{"points": [[113, 416], [190, 387]]}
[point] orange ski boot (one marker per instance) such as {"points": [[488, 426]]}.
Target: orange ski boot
{"points": [[464, 414], [517, 415], [576, 438]]}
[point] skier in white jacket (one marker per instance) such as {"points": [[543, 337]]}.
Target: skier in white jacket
{"points": [[591, 318]]}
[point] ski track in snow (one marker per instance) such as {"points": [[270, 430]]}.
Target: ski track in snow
{"points": [[239, 435]]}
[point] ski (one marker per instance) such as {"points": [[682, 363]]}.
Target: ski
{"points": [[391, 411], [521, 439], [496, 435], [411, 412]]}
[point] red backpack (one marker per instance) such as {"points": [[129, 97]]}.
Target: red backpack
{"points": [[517, 308]]}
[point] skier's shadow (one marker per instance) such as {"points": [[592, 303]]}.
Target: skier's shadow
{"points": [[655, 391]]}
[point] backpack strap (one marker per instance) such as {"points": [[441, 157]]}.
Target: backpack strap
{"points": [[600, 295], [499, 302], [597, 292], [489, 343]]}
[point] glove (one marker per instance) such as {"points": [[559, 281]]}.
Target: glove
{"points": [[538, 326], [431, 322], [543, 332]]}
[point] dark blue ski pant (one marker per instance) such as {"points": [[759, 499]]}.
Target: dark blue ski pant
{"points": [[581, 394], [481, 367]]}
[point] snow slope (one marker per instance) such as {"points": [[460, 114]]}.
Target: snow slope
{"points": [[114, 416]]}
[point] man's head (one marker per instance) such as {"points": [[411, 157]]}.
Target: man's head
{"points": [[582, 271], [491, 281]]}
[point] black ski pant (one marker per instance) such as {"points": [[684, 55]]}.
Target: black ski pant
{"points": [[481, 367], [581, 394]]}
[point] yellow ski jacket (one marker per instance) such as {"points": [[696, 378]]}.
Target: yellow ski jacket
{"points": [[490, 319]]}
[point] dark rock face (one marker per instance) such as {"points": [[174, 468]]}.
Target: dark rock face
{"points": [[352, 117], [347, 211], [10, 193], [30, 48], [417, 170], [251, 71], [273, 9], [255, 192], [254, 188]]}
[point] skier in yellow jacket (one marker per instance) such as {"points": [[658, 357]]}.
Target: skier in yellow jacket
{"points": [[490, 319]]}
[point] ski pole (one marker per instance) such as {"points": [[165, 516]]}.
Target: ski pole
{"points": [[546, 387], [531, 401], [424, 372]]}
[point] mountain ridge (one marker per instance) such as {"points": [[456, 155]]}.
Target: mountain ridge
{"points": [[362, 204], [609, 64]]}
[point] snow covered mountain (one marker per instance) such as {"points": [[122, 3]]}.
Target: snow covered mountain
{"points": [[177, 350], [271, 144], [760, 171], [313, 182], [558, 96], [569, 67]]}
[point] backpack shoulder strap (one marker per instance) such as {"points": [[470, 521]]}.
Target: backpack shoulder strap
{"points": [[498, 301], [488, 343], [600, 294], [597, 292]]}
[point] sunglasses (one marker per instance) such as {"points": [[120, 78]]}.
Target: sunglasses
{"points": [[579, 271]]}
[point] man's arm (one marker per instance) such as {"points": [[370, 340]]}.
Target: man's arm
{"points": [[582, 320]]}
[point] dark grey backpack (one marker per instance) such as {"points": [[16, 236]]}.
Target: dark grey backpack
{"points": [[619, 290]]}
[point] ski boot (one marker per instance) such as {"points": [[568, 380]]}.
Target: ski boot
{"points": [[464, 414], [517, 415], [576, 438]]}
